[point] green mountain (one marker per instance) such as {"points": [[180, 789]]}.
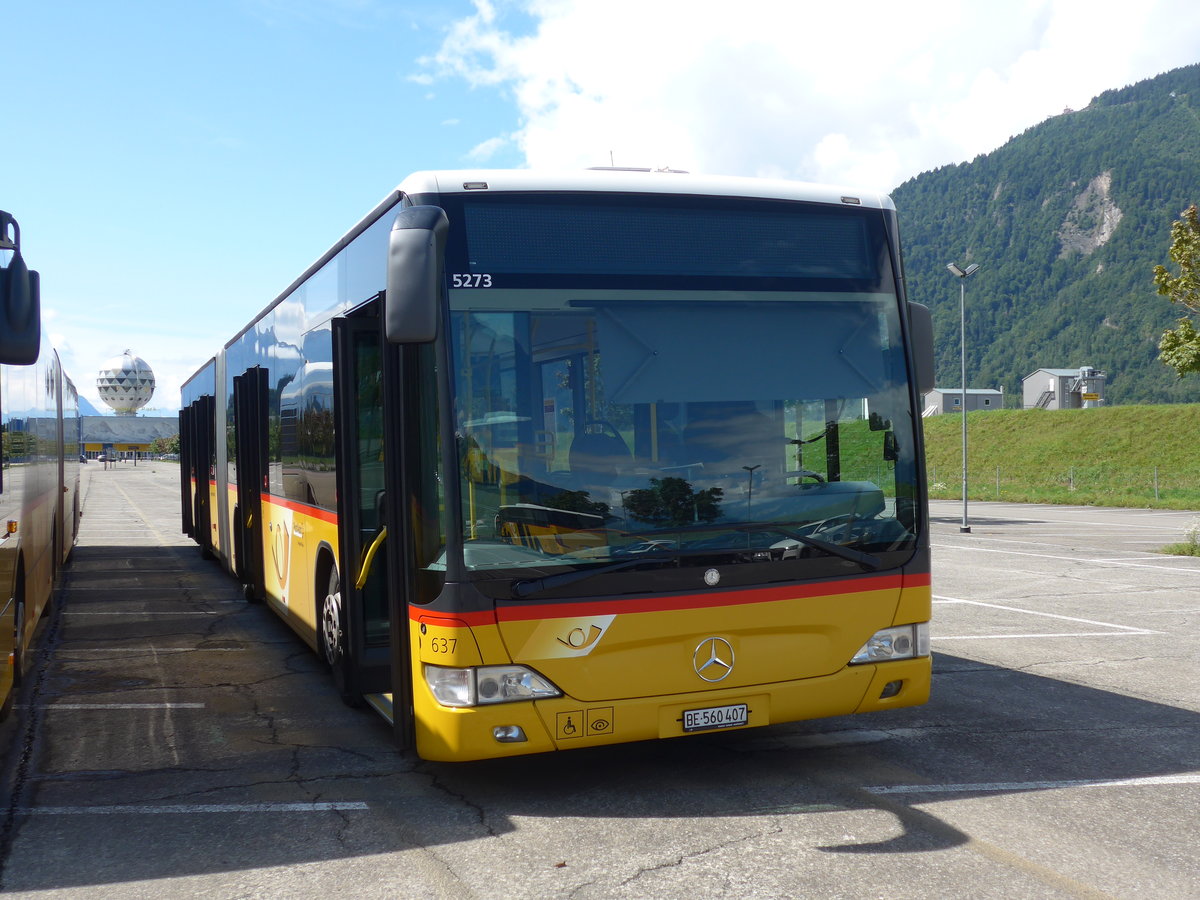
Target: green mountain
{"points": [[1066, 222]]}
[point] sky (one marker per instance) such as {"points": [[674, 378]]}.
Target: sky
{"points": [[174, 166]]}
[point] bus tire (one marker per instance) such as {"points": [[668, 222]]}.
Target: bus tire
{"points": [[331, 639], [19, 656], [56, 561], [70, 549]]}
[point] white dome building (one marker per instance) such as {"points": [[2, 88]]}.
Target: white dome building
{"points": [[126, 383]]}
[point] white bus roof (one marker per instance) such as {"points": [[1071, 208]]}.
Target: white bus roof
{"points": [[467, 181], [608, 180]]}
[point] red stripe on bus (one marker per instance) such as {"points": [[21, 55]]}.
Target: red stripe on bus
{"points": [[453, 619], [698, 601], [315, 512], [617, 606]]}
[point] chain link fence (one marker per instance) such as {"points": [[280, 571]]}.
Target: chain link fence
{"points": [[1096, 485]]}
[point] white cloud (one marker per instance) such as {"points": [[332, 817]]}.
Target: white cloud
{"points": [[85, 346], [870, 93], [487, 149]]}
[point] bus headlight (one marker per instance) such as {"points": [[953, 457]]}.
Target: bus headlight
{"points": [[480, 685], [900, 642]]}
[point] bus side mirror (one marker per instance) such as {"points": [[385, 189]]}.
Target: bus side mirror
{"points": [[416, 247], [921, 329], [20, 301], [891, 447]]}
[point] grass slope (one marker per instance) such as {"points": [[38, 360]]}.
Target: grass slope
{"points": [[1139, 456]]}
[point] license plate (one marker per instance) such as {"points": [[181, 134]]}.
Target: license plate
{"points": [[716, 717]]}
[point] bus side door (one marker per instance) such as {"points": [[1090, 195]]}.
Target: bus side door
{"points": [[250, 426], [366, 583]]}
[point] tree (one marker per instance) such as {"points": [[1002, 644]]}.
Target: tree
{"points": [[160, 446], [673, 502], [1179, 348]]}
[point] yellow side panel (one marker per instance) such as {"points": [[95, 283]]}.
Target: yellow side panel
{"points": [[292, 541], [232, 512], [214, 531]]}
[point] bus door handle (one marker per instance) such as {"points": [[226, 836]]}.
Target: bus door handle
{"points": [[370, 558]]}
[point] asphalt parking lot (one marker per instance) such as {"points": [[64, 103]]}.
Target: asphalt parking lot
{"points": [[176, 741]]}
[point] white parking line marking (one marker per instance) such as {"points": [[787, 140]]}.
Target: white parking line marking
{"points": [[1034, 612], [120, 706], [197, 808], [1026, 512], [149, 649], [84, 612], [1118, 559], [1074, 559], [937, 638], [991, 787], [120, 594]]}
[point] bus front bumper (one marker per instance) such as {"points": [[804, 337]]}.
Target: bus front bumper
{"points": [[513, 729]]}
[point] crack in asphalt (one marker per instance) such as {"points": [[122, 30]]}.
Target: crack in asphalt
{"points": [[437, 784], [697, 854]]}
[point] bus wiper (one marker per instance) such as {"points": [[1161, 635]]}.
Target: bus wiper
{"points": [[522, 589], [866, 560], [528, 587]]}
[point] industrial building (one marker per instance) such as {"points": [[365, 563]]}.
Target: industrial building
{"points": [[126, 437], [946, 400], [1080, 388]]}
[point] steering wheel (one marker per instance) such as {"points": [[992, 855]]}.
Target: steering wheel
{"points": [[805, 473], [828, 527]]}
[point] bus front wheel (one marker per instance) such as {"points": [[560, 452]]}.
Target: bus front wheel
{"points": [[333, 635], [332, 639], [19, 662]]}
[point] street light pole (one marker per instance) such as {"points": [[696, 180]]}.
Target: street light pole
{"points": [[750, 487], [963, 275]]}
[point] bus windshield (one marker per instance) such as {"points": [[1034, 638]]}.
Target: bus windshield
{"points": [[601, 426]]}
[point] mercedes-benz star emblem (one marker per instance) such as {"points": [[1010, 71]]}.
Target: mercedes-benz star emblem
{"points": [[713, 659], [712, 577]]}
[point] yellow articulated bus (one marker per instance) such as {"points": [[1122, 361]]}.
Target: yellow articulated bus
{"points": [[39, 468], [541, 461]]}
